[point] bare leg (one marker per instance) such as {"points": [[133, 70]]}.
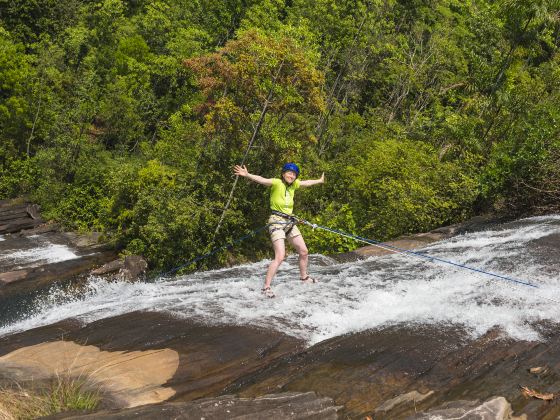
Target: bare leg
{"points": [[279, 254], [299, 244]]}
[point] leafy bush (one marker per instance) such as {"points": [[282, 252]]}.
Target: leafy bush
{"points": [[400, 186], [337, 217], [17, 176]]}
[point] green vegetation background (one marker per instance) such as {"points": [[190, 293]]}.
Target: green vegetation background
{"points": [[128, 116]]}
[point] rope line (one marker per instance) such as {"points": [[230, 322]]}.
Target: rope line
{"points": [[294, 220], [428, 257], [214, 251], [223, 247], [418, 254], [373, 242]]}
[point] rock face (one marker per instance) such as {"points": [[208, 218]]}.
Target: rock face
{"points": [[134, 267], [26, 233], [24, 280], [108, 268], [196, 360], [394, 373], [289, 405], [130, 378], [418, 240], [400, 371], [18, 215], [494, 409]]}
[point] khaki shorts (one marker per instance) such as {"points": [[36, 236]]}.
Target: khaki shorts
{"points": [[279, 228]]}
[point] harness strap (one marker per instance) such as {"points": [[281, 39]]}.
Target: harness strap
{"points": [[293, 221], [284, 215]]}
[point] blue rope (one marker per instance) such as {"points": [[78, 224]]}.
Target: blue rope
{"points": [[358, 238], [221, 248], [214, 251], [418, 254]]}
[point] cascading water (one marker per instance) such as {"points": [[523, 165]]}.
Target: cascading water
{"points": [[32, 251], [351, 297]]}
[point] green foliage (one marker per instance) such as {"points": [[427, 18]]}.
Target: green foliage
{"points": [[399, 187], [522, 173], [17, 177], [335, 216], [127, 117], [15, 72]]}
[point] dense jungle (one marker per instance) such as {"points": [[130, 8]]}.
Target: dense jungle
{"points": [[127, 117]]}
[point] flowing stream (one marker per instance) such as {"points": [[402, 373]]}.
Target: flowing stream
{"points": [[350, 297]]}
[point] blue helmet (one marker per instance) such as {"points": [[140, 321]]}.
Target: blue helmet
{"points": [[291, 167]]}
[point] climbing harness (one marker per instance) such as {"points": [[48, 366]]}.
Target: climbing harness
{"points": [[291, 222]]}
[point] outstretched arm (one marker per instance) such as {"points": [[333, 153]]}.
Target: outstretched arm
{"points": [[310, 182], [242, 171]]}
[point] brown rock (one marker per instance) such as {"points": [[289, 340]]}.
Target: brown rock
{"points": [[130, 378], [41, 229], [412, 396], [497, 408], [369, 251], [16, 225], [209, 357], [33, 211], [12, 276], [13, 215], [92, 238], [289, 405], [110, 267], [376, 372], [22, 281], [134, 268]]}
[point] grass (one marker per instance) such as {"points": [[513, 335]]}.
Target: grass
{"points": [[63, 393]]}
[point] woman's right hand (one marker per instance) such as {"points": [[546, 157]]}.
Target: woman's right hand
{"points": [[240, 170]]}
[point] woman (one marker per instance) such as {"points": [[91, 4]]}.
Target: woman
{"points": [[280, 224]]}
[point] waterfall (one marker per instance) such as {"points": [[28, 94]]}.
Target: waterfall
{"points": [[352, 296]]}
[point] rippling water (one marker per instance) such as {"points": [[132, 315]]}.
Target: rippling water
{"points": [[351, 297]]}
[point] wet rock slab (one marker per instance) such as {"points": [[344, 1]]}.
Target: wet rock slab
{"points": [[21, 275], [403, 371], [16, 215], [395, 373], [494, 409], [290, 405], [420, 240], [208, 358]]}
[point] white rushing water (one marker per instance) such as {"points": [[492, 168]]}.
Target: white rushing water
{"points": [[41, 252], [355, 296]]}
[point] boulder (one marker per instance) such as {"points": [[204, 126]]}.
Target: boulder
{"points": [[33, 211], [134, 268], [110, 267]]}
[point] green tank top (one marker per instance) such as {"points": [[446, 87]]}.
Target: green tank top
{"points": [[282, 195]]}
